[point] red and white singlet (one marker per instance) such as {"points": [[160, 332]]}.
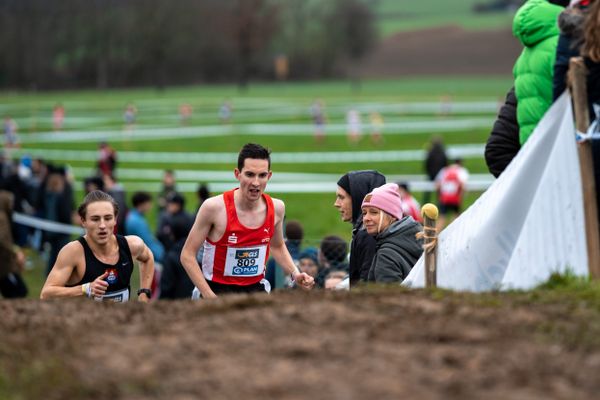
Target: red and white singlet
{"points": [[240, 255]]}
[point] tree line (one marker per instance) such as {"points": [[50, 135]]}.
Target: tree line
{"points": [[60, 44]]}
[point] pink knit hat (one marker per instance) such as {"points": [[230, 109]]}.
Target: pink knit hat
{"points": [[386, 198]]}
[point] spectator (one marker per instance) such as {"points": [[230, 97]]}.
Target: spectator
{"points": [[202, 194], [376, 127], [318, 117], [11, 138], [294, 233], [136, 224], [168, 189], [351, 190], [397, 247], [535, 25], [435, 160], [13, 259], [451, 185], [333, 252], [175, 282], [410, 205], [226, 112], [58, 117], [336, 280], [175, 209], [56, 204], [353, 121], [185, 113], [107, 159], [117, 192], [503, 144], [129, 116], [308, 261]]}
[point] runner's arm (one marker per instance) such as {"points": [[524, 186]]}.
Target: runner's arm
{"points": [[142, 254], [280, 252], [195, 239], [56, 282]]}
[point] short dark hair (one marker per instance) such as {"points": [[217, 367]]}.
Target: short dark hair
{"points": [[294, 231], [255, 151], [140, 198], [334, 248], [93, 197]]}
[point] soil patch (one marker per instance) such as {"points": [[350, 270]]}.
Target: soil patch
{"points": [[448, 50], [379, 344]]}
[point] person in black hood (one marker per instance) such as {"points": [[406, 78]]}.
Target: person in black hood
{"points": [[351, 190]]}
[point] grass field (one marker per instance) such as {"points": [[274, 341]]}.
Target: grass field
{"points": [[258, 115]]}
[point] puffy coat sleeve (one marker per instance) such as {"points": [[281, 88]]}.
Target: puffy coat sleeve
{"points": [[503, 143]]}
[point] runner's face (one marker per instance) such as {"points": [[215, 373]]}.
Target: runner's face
{"points": [[99, 221], [343, 202], [253, 178]]}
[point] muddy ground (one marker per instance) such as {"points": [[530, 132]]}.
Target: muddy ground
{"points": [[447, 50], [378, 344]]}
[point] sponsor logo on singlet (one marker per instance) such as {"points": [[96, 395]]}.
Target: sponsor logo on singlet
{"points": [[112, 277], [232, 238]]}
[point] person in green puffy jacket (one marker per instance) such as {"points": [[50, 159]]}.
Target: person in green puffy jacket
{"points": [[535, 25]]}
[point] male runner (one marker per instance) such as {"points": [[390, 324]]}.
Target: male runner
{"points": [[99, 264], [238, 229]]}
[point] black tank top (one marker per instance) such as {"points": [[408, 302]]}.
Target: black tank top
{"points": [[119, 274]]}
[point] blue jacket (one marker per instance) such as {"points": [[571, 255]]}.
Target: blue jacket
{"points": [[136, 224]]}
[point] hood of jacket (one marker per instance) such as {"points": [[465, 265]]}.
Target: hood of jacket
{"points": [[535, 21], [361, 184], [401, 234]]}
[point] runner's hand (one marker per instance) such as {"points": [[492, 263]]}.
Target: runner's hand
{"points": [[99, 285], [304, 281]]}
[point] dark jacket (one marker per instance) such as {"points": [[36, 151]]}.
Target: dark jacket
{"points": [[362, 247], [503, 144], [174, 281], [436, 160], [570, 23], [397, 252]]}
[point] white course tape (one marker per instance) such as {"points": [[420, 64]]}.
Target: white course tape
{"points": [[46, 225]]}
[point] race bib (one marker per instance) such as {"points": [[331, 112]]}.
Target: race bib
{"points": [[245, 261], [119, 296]]}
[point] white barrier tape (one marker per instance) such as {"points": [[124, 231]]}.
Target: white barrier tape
{"points": [[306, 129], [45, 225], [462, 151]]}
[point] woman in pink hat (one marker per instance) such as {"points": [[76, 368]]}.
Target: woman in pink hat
{"points": [[397, 247]]}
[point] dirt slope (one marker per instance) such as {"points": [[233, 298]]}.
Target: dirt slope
{"points": [[448, 50], [376, 345]]}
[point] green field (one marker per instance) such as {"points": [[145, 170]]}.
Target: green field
{"points": [[264, 108]]}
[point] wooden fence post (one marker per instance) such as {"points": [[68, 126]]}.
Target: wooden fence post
{"points": [[430, 214], [577, 80]]}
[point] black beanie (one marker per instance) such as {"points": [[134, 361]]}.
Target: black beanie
{"points": [[344, 183]]}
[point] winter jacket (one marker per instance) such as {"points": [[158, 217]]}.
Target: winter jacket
{"points": [[7, 254], [503, 144], [397, 251], [362, 247], [536, 27], [174, 281], [570, 23]]}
